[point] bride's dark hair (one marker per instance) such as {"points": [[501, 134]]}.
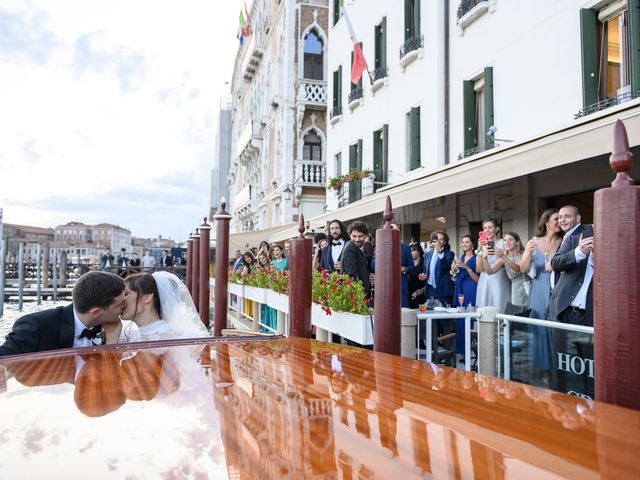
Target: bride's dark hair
{"points": [[144, 284]]}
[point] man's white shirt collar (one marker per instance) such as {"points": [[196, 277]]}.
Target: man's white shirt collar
{"points": [[78, 327], [569, 232]]}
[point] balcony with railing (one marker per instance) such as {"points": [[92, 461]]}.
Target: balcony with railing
{"points": [[379, 77], [335, 115], [355, 97], [475, 150], [411, 49], [607, 102], [470, 10], [312, 93], [311, 173]]}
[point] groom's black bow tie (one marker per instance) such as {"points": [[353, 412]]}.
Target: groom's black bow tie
{"points": [[337, 243], [90, 333]]}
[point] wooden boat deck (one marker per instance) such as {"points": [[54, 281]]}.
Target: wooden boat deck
{"points": [[294, 408]]}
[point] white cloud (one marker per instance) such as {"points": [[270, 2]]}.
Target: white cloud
{"points": [[106, 103]]}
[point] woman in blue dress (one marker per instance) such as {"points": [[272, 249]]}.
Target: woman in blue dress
{"points": [[466, 285], [536, 261]]}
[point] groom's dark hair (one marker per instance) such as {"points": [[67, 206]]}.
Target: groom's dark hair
{"points": [[96, 289]]}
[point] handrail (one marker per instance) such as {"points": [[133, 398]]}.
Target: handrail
{"points": [[447, 316], [546, 323]]}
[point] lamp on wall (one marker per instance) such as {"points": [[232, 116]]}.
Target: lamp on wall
{"points": [[287, 192]]}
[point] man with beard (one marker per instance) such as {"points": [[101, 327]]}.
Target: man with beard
{"points": [[332, 253], [354, 262]]}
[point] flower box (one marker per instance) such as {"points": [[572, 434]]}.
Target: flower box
{"points": [[278, 301], [256, 294], [356, 328], [235, 289]]}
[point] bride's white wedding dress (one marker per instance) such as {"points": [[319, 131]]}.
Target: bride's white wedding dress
{"points": [[158, 330]]}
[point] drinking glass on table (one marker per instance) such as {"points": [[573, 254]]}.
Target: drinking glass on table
{"points": [[422, 307], [461, 299]]}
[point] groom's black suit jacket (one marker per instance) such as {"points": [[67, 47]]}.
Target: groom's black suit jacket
{"points": [[47, 330]]}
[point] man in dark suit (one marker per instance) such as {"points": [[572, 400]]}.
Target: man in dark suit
{"points": [[437, 268], [123, 263], [354, 262], [332, 253], [569, 221], [98, 298], [572, 297], [166, 260]]}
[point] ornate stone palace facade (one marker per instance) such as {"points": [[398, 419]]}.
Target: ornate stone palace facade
{"points": [[278, 129]]}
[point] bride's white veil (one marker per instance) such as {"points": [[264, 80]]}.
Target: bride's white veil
{"points": [[177, 306]]}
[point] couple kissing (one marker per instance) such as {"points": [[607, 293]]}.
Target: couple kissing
{"points": [[108, 309]]}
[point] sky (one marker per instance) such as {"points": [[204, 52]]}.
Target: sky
{"points": [[108, 110]]}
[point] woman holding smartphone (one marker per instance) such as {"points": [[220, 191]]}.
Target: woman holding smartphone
{"points": [[511, 257], [536, 261], [494, 287]]}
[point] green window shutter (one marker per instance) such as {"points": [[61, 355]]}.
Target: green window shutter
{"points": [[353, 156], [340, 86], [336, 11], [408, 19], [589, 43], [383, 42], [415, 138], [385, 154], [468, 96], [359, 166], [634, 44], [416, 17], [489, 118], [377, 154], [335, 89], [377, 35]]}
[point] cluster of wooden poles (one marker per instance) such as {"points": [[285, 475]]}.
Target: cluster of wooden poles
{"points": [[198, 261]]}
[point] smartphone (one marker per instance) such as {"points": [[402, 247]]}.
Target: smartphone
{"points": [[491, 244], [482, 235], [434, 237], [587, 231]]}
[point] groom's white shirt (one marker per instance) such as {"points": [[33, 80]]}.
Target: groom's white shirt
{"points": [[78, 327]]}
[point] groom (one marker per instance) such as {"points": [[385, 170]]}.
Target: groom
{"points": [[98, 297]]}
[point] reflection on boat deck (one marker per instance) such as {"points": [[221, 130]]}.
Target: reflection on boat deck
{"points": [[294, 408]]}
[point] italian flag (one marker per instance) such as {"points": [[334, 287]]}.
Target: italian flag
{"points": [[244, 29], [359, 63]]}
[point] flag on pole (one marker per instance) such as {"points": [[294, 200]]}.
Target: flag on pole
{"points": [[244, 29], [359, 64]]}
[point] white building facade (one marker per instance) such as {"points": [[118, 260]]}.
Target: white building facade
{"points": [[278, 133], [479, 108]]}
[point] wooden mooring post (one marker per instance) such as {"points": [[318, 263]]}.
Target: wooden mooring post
{"points": [[222, 219], [205, 254], [300, 284], [616, 287], [386, 335]]}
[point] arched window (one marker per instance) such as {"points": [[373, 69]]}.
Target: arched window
{"points": [[312, 148], [313, 57]]}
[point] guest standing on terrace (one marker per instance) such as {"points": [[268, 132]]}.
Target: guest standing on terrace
{"points": [[536, 262], [466, 285], [332, 255], [354, 262], [279, 261], [437, 267], [494, 288], [511, 256], [416, 286]]}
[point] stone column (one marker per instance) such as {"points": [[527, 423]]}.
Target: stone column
{"points": [[408, 322], [488, 341]]}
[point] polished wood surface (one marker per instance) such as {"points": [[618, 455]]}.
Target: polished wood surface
{"points": [[294, 408]]}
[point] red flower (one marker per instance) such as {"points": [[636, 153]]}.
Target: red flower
{"points": [[335, 287], [351, 296]]}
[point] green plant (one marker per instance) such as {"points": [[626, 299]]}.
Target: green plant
{"points": [[333, 291], [336, 182]]}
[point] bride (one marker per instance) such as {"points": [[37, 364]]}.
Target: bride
{"points": [[161, 307]]}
